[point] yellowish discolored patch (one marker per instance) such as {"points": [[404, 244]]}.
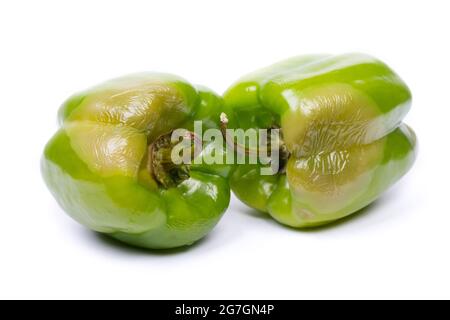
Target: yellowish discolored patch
{"points": [[328, 118], [107, 149], [326, 181], [144, 104]]}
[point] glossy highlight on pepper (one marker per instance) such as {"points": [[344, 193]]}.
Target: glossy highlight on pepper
{"points": [[341, 122], [108, 166]]}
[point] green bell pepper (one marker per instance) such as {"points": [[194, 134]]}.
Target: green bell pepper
{"points": [[340, 119], [108, 165]]}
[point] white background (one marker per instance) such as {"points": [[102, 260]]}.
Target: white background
{"points": [[398, 248]]}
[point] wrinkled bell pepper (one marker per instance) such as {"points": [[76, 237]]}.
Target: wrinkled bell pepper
{"points": [[109, 167], [341, 122]]}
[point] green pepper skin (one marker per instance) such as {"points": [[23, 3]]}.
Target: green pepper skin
{"points": [[340, 117], [95, 165]]}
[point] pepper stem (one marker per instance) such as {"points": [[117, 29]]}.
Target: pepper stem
{"points": [[267, 149], [161, 165]]}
